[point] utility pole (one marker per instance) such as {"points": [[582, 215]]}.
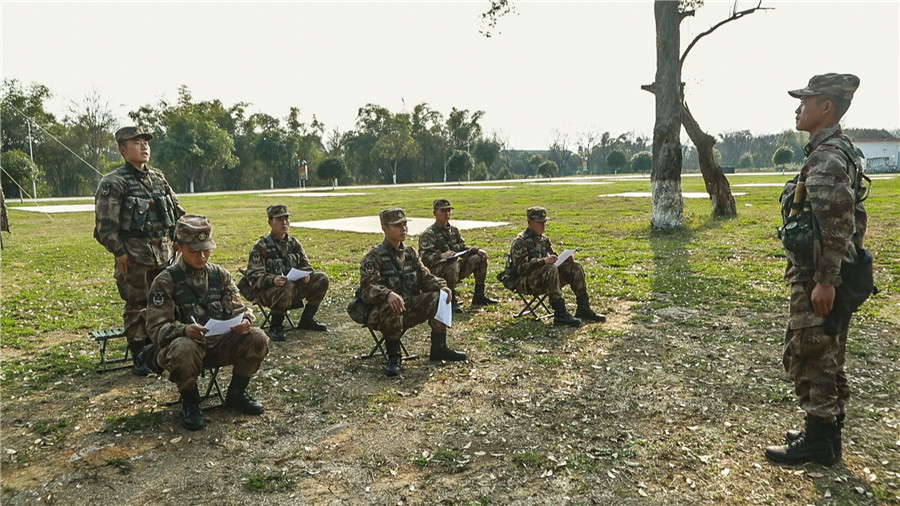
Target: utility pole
{"points": [[31, 154]]}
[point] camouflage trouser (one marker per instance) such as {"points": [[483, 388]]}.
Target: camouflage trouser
{"points": [[550, 279], [814, 360], [134, 288], [185, 358], [455, 270], [419, 308], [290, 296]]}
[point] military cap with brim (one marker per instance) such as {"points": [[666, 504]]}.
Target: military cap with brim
{"points": [[276, 210], [194, 231], [835, 85], [123, 134], [537, 214], [441, 204], [392, 216]]}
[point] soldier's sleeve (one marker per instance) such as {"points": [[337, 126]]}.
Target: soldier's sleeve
{"points": [[549, 246], [179, 211], [162, 326], [518, 254], [304, 260], [830, 195], [373, 292], [428, 282], [231, 298], [107, 205], [256, 267], [428, 248]]}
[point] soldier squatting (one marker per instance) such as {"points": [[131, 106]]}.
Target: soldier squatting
{"points": [[168, 302]]}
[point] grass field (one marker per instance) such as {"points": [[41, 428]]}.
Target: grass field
{"points": [[671, 401]]}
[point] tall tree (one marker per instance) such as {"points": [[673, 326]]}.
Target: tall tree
{"points": [[91, 122], [460, 165], [559, 151], [395, 145], [487, 152]]}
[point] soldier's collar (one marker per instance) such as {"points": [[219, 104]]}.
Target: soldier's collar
{"points": [[820, 137]]}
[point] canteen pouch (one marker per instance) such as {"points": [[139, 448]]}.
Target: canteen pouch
{"points": [[357, 309]]}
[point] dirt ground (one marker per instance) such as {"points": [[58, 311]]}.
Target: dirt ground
{"points": [[653, 407]]}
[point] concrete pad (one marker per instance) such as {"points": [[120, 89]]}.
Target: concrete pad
{"points": [[873, 176], [572, 182], [315, 194], [758, 184], [687, 195], [467, 187], [68, 208], [372, 225]]}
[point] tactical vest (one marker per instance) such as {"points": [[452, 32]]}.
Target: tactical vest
{"points": [[534, 251], [844, 145], [146, 212], [186, 301], [275, 263], [441, 240], [404, 281]]}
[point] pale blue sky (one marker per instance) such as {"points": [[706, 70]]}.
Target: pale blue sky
{"points": [[566, 66]]}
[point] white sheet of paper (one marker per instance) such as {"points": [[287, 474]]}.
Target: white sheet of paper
{"points": [[444, 313], [564, 256], [218, 327], [295, 274], [461, 253]]}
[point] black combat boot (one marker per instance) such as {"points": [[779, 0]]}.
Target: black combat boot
{"points": [[815, 446], [392, 368], [584, 311], [238, 399], [276, 329], [148, 356], [440, 351], [793, 435], [561, 316], [479, 299], [140, 368], [308, 320], [454, 304], [191, 416]]}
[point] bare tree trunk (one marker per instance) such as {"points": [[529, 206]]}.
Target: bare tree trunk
{"points": [[716, 184], [665, 178]]}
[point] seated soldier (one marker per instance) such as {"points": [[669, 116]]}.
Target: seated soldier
{"points": [[403, 292], [271, 258], [187, 293], [534, 259], [440, 242]]}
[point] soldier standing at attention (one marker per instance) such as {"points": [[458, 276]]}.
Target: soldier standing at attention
{"points": [[271, 258], [182, 300], [440, 242], [135, 213], [534, 259], [828, 186], [402, 291]]}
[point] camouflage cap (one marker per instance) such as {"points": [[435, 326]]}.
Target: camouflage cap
{"points": [[195, 231], [441, 204], [537, 213], [276, 210], [392, 216], [836, 85], [123, 134]]}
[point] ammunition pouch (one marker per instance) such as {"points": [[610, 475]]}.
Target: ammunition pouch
{"points": [[245, 287], [857, 284], [798, 236], [509, 275], [358, 309]]}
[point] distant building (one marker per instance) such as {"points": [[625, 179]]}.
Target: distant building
{"points": [[882, 155]]}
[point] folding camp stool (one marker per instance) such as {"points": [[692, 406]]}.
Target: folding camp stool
{"points": [[534, 303], [379, 347], [102, 337], [213, 389], [267, 318]]}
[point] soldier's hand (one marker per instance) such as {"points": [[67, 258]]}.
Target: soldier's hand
{"points": [[195, 331], [280, 280], [241, 328], [448, 254], [305, 279], [449, 293], [122, 262], [822, 299], [396, 303], [551, 259]]}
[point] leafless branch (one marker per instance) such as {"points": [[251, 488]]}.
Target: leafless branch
{"points": [[735, 15]]}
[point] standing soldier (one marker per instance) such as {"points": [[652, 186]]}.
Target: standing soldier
{"points": [[828, 192], [135, 213], [271, 258], [439, 245], [402, 291], [533, 258], [182, 300]]}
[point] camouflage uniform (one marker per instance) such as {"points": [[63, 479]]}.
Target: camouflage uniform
{"points": [[536, 276], [813, 359], [173, 307], [415, 283], [135, 215], [437, 239], [265, 265]]}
